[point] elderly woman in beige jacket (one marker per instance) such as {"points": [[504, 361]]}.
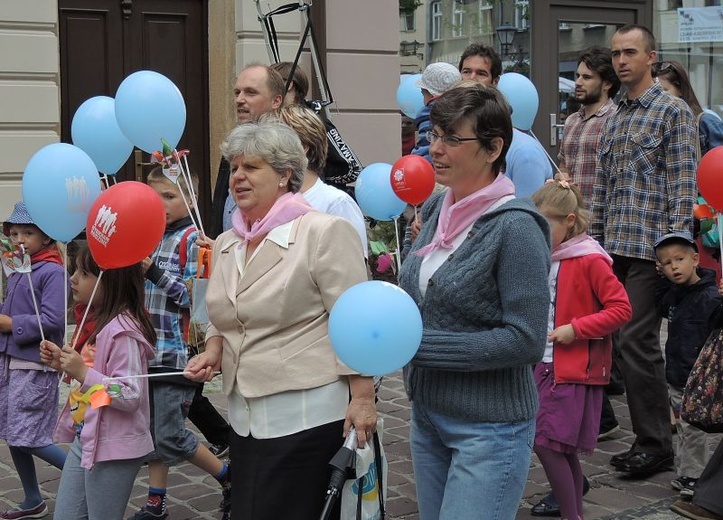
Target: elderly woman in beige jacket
{"points": [[276, 275]]}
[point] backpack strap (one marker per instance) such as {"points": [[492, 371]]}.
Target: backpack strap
{"points": [[182, 260]]}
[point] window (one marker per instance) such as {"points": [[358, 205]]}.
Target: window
{"points": [[485, 17], [522, 14], [458, 19], [436, 21], [407, 21]]}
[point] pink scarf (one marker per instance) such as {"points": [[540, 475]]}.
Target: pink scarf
{"points": [[286, 208], [580, 245], [455, 217]]}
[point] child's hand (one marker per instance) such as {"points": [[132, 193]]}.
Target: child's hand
{"points": [[659, 269], [146, 263], [204, 241], [6, 323], [72, 364], [416, 227], [50, 354], [564, 334]]}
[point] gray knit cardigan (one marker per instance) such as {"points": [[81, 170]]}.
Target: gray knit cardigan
{"points": [[485, 316]]}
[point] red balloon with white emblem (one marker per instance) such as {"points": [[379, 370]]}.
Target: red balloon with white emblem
{"points": [[125, 224], [412, 179]]}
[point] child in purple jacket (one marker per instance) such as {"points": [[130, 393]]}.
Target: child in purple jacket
{"points": [[107, 417], [28, 388]]}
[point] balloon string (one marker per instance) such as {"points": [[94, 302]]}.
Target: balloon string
{"points": [[37, 310], [543, 149], [720, 237], [192, 191], [65, 288], [87, 309], [398, 253]]}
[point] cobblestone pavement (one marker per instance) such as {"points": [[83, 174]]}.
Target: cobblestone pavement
{"points": [[195, 495]]}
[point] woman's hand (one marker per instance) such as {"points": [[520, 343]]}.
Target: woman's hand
{"points": [[564, 334], [50, 354], [72, 364], [362, 412], [6, 323], [204, 241], [204, 366]]}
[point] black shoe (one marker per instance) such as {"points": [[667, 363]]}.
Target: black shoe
{"points": [[621, 458], [549, 506], [646, 463]]}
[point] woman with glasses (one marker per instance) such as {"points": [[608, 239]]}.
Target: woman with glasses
{"points": [[478, 271], [674, 79]]}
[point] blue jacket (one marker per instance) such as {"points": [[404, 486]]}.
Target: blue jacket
{"points": [[23, 342], [691, 311], [711, 132], [423, 125]]}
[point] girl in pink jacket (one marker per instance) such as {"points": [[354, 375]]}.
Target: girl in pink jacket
{"points": [[588, 304], [107, 417]]}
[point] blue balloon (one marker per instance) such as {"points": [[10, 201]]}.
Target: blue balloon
{"points": [[149, 107], [375, 328], [95, 130], [409, 96], [522, 96], [375, 195], [60, 184]]}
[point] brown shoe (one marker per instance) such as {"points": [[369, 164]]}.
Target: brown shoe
{"points": [[690, 510]]}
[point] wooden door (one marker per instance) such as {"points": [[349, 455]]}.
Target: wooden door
{"points": [[562, 28], [103, 41]]}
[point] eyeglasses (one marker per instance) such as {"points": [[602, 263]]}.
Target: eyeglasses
{"points": [[448, 140]]}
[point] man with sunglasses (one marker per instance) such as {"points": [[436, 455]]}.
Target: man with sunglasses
{"points": [[644, 188]]}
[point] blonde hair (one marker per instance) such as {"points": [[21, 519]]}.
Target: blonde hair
{"points": [[156, 175], [560, 199], [310, 129]]}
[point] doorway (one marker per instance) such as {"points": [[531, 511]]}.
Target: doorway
{"points": [[103, 41], [576, 25]]}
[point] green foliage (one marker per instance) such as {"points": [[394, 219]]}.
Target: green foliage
{"points": [[408, 6]]}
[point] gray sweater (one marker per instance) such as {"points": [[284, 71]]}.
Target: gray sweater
{"points": [[485, 316]]}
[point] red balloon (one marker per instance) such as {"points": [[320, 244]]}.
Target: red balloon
{"points": [[412, 179], [125, 224], [710, 177]]}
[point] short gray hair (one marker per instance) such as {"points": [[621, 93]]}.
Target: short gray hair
{"points": [[275, 143]]}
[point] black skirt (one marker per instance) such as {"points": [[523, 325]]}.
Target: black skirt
{"points": [[285, 478]]}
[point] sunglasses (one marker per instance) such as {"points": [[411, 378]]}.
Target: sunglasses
{"points": [[660, 67]]}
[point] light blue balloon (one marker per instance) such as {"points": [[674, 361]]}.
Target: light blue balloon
{"points": [[409, 96], [522, 96], [375, 328], [60, 184], [374, 193], [149, 107], [95, 130]]}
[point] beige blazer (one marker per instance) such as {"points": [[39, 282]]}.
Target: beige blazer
{"points": [[274, 319]]}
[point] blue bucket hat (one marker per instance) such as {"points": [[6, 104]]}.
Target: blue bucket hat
{"points": [[19, 215]]}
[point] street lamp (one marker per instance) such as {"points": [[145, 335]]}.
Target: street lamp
{"points": [[506, 35]]}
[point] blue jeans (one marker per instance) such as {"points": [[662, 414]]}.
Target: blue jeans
{"points": [[469, 470]]}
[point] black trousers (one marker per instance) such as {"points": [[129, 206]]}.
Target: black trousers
{"points": [[285, 478], [709, 488], [207, 419], [641, 359]]}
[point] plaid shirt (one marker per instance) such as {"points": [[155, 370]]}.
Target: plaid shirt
{"points": [[167, 294], [645, 183], [579, 145]]}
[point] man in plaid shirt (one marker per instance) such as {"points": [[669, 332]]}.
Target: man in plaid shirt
{"points": [[644, 188], [595, 88]]}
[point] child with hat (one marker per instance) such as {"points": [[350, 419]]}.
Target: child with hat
{"points": [[689, 299], [28, 388]]}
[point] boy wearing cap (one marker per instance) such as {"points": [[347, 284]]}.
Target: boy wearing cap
{"points": [[436, 79], [690, 300]]}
